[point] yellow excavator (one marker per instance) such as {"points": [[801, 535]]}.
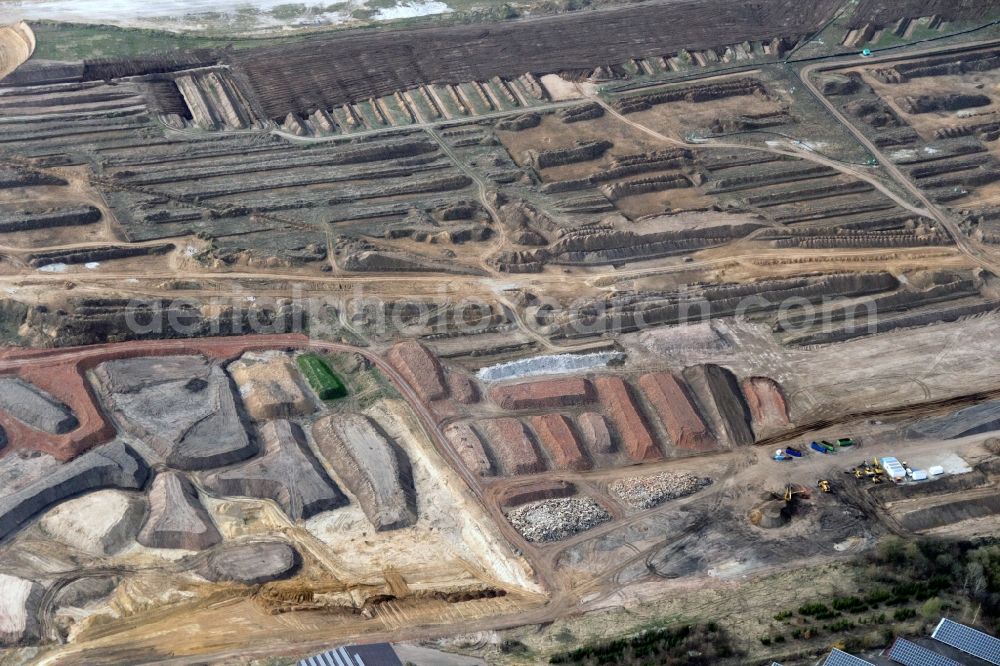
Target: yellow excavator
{"points": [[791, 491], [824, 485]]}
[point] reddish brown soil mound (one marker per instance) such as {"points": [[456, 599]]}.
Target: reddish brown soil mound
{"points": [[468, 445], [462, 388], [594, 432], [767, 404], [512, 446], [617, 400], [679, 416], [557, 436], [420, 368], [546, 394]]}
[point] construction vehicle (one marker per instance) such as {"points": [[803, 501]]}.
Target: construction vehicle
{"points": [[779, 455], [824, 485], [792, 492]]}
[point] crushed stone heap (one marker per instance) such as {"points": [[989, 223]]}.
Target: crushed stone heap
{"points": [[373, 468], [181, 406], [287, 473], [35, 407], [645, 492], [28, 486], [556, 519], [176, 517]]}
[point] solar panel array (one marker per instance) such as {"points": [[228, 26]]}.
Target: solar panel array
{"points": [[968, 640], [838, 658], [338, 657], [910, 654]]}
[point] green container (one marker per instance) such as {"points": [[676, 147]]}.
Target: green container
{"points": [[321, 378]]}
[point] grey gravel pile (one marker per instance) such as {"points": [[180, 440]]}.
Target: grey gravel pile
{"points": [[556, 519], [645, 492]]}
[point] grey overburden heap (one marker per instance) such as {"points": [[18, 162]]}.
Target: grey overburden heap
{"points": [[287, 473], [181, 406], [176, 517], [371, 466], [34, 407], [34, 484], [251, 563]]}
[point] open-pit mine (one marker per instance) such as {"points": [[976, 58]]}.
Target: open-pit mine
{"points": [[637, 333]]}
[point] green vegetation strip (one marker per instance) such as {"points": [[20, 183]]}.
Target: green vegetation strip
{"points": [[327, 385]]}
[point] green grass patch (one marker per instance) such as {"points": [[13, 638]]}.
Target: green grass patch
{"points": [[321, 378]]}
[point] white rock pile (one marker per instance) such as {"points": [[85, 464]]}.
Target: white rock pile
{"points": [[645, 492], [555, 519]]}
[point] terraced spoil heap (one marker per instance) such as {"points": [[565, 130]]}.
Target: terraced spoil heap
{"points": [[420, 368], [176, 517], [30, 485], [678, 414], [557, 436], [512, 447], [270, 388], [20, 601], [251, 563], [719, 394], [181, 406], [645, 492], [34, 407], [545, 394], [551, 520], [768, 407], [949, 102], [375, 471], [301, 78], [30, 220], [621, 408], [287, 473], [470, 449]]}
